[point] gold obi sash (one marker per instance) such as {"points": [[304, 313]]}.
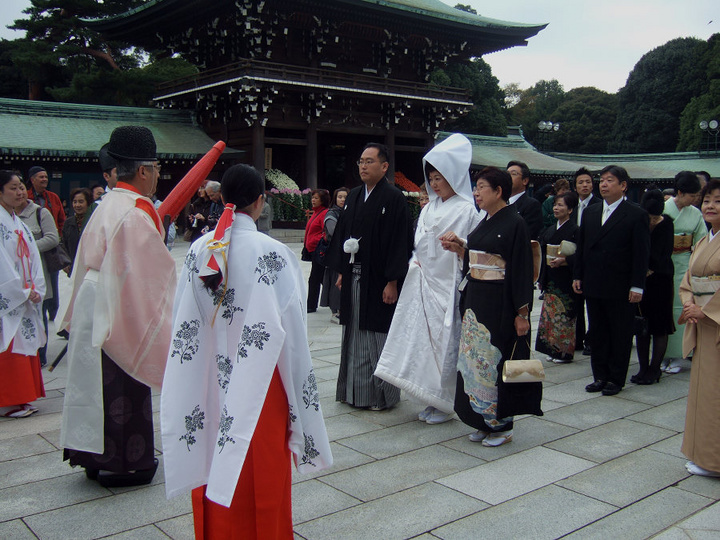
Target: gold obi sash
{"points": [[682, 243], [486, 266], [704, 288]]}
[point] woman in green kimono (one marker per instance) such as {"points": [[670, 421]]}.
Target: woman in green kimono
{"points": [[689, 228]]}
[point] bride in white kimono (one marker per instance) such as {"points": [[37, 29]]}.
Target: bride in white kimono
{"points": [[420, 354]]}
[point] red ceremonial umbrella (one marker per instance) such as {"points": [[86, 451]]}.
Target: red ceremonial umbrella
{"points": [[188, 186]]}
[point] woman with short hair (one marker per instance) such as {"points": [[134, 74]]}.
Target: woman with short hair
{"points": [[495, 301]]}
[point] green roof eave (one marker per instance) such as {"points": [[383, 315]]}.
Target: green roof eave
{"points": [[435, 9], [39, 128], [498, 151]]}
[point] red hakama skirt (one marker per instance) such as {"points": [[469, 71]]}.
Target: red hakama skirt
{"points": [[20, 378], [261, 507]]}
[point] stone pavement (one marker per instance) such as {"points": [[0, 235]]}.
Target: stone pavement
{"points": [[592, 467]]}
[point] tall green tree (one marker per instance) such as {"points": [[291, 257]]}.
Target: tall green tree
{"points": [[586, 116], [706, 106], [64, 60], [657, 91], [486, 117], [533, 105]]}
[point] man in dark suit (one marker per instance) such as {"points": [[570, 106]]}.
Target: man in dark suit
{"points": [[528, 208], [610, 269], [584, 189]]}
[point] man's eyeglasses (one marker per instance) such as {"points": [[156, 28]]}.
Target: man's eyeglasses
{"points": [[368, 162]]}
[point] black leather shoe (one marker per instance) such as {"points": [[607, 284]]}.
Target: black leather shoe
{"points": [[611, 389], [595, 386]]}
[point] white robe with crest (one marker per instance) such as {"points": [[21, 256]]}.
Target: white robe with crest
{"points": [[420, 354], [218, 372]]}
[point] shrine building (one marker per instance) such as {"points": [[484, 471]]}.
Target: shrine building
{"points": [[303, 85]]}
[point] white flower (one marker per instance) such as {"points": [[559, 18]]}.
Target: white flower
{"points": [[280, 180], [351, 246]]}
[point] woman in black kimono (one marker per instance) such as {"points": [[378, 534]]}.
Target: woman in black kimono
{"points": [[495, 299], [657, 300], [556, 331]]}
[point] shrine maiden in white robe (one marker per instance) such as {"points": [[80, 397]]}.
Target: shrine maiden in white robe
{"points": [[420, 354], [224, 352], [20, 272]]}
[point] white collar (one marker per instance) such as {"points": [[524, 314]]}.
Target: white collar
{"points": [[514, 198]]}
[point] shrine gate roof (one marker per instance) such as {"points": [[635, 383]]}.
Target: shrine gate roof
{"points": [[140, 25]]}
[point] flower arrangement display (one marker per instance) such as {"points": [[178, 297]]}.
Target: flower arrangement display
{"points": [[280, 180], [290, 204], [405, 183], [288, 201]]}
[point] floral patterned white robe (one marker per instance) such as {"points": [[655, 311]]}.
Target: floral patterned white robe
{"points": [[222, 358], [20, 319]]}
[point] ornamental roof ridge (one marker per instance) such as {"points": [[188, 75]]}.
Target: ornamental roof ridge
{"points": [[424, 8]]}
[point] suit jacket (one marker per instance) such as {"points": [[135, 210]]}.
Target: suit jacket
{"points": [[531, 211], [612, 258]]}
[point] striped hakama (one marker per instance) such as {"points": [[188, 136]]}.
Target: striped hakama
{"points": [[357, 385]]}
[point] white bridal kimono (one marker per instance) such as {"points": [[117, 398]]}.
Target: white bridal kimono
{"points": [[420, 354], [20, 319], [224, 352]]}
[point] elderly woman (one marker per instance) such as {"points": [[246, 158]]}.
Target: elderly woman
{"points": [[420, 354], [657, 301], [42, 226], [494, 303], [689, 228], [81, 200], [556, 331], [330, 293], [701, 313], [22, 286], [320, 200]]}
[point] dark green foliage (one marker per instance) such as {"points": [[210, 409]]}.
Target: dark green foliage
{"points": [[659, 87], [486, 117], [586, 116], [61, 59], [705, 106]]}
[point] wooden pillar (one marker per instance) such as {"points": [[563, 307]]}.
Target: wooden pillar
{"points": [[390, 143], [311, 157], [258, 147]]}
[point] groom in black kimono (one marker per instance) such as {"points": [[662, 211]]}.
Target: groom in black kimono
{"points": [[370, 250]]}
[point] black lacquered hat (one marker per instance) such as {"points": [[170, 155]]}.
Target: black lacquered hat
{"points": [[132, 143]]}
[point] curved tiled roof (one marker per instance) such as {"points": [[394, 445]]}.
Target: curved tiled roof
{"points": [[128, 24], [40, 128]]}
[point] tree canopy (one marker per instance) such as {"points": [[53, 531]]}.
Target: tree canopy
{"points": [[657, 91], [62, 59], [486, 117]]}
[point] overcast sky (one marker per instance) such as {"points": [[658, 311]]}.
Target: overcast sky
{"points": [[587, 42], [592, 42]]}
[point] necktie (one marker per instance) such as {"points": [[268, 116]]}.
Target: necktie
{"points": [[606, 214]]}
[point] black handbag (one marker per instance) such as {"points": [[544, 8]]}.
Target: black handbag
{"points": [[318, 256], [305, 255], [641, 326]]}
